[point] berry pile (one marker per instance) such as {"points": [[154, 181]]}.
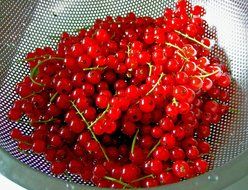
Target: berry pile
{"points": [[131, 97]]}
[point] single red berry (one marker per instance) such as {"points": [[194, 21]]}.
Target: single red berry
{"points": [[168, 178], [99, 171], [201, 166], [146, 104], [177, 154], [77, 125], [58, 167], [192, 153], [129, 128], [14, 114], [161, 153], [102, 101], [166, 124], [180, 168], [56, 141], [39, 146], [130, 172], [75, 166], [204, 147], [16, 134], [168, 140], [102, 35], [137, 157], [150, 182]]}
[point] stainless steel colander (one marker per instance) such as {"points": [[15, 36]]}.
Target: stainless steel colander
{"points": [[27, 24]]}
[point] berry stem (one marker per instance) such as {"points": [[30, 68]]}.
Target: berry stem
{"points": [[175, 46], [157, 83], [25, 142], [101, 147], [79, 113], [45, 121], [33, 81], [90, 129], [151, 151], [192, 39], [94, 68], [53, 97], [32, 94], [208, 74], [128, 50], [100, 117], [118, 181], [187, 60], [183, 57], [34, 58], [202, 70], [34, 71], [150, 68], [144, 177], [134, 141], [174, 101]]}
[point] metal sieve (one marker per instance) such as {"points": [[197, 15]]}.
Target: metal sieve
{"points": [[27, 24]]}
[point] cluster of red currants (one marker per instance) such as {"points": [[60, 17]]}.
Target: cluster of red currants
{"points": [[131, 97]]}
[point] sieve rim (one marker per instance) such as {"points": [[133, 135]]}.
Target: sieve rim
{"points": [[216, 179]]}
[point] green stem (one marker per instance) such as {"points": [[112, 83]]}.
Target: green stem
{"points": [[32, 94], [202, 70], [100, 117], [128, 50], [193, 39], [134, 141], [155, 146], [79, 113], [144, 177], [94, 68], [208, 74], [175, 46], [25, 142], [101, 147], [45, 121], [34, 58], [157, 83], [34, 71], [174, 101], [118, 181], [90, 129], [33, 81], [186, 59], [150, 68], [53, 97]]}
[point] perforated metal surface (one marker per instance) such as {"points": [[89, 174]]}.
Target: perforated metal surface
{"points": [[27, 24]]}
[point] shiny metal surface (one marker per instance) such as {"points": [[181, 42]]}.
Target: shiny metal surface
{"points": [[26, 24]]}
